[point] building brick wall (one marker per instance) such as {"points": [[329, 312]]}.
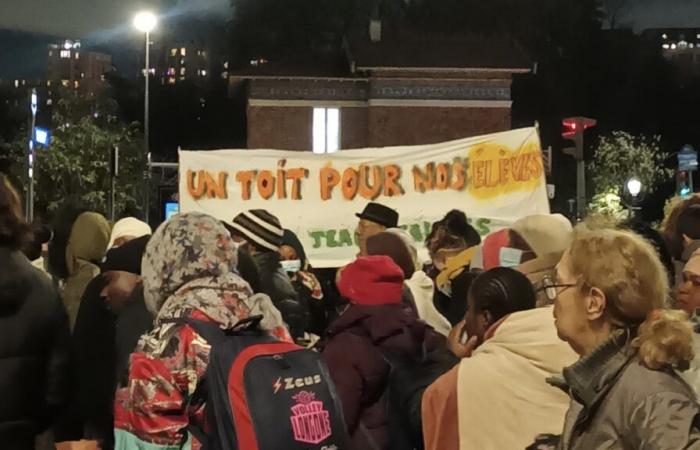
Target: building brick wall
{"points": [[427, 125], [284, 128]]}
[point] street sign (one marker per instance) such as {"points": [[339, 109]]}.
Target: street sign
{"points": [[42, 136], [687, 158]]}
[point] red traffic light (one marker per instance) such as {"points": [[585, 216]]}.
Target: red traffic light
{"points": [[575, 125]]}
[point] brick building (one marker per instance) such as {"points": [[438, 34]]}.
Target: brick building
{"points": [[403, 90]]}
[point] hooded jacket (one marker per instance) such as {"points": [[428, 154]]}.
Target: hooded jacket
{"points": [[33, 352], [87, 246], [356, 344], [188, 270]]}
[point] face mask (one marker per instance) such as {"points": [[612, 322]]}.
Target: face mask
{"points": [[509, 257], [292, 266]]}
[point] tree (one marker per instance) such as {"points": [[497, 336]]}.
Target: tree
{"points": [[75, 168], [620, 156]]}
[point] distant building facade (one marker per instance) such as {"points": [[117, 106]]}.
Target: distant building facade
{"points": [[397, 91], [681, 46], [71, 67]]}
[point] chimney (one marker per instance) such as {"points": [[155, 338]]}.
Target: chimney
{"points": [[375, 30]]}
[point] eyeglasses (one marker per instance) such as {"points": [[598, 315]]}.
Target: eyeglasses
{"points": [[550, 288]]}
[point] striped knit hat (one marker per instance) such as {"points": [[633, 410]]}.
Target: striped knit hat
{"points": [[260, 228]]}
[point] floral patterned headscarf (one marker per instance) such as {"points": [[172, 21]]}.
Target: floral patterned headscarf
{"points": [[189, 264]]}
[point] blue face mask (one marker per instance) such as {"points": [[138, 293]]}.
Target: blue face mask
{"points": [[510, 257], [292, 266]]}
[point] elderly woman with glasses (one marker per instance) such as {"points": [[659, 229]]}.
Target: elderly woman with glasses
{"points": [[625, 394]]}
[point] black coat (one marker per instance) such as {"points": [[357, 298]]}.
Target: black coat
{"points": [[276, 283], [101, 343], [34, 352]]}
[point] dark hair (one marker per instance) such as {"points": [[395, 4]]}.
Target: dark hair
{"points": [[14, 230], [657, 241], [689, 222], [248, 271], [502, 291], [454, 223]]}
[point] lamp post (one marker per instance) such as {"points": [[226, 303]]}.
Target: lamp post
{"points": [[145, 22], [33, 104], [634, 189]]}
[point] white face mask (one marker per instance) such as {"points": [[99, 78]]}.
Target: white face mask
{"points": [[292, 266], [509, 257]]}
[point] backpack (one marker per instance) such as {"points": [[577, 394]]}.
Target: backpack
{"points": [[408, 380], [263, 394]]}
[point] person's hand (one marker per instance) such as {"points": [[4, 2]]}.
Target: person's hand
{"points": [[455, 345]]}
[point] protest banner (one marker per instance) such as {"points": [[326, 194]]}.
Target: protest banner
{"points": [[496, 179]]}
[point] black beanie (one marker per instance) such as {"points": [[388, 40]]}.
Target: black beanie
{"points": [[291, 239], [127, 257]]}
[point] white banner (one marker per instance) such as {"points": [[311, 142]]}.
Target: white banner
{"points": [[495, 179]]}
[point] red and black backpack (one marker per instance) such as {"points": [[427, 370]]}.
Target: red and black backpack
{"points": [[263, 394]]}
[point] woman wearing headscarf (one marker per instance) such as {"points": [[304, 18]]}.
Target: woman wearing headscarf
{"points": [[127, 229], [188, 271], [86, 247]]}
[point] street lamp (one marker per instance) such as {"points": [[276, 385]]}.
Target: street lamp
{"points": [[145, 22], [634, 189]]}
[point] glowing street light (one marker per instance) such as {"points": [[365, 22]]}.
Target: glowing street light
{"points": [[634, 187], [145, 22]]}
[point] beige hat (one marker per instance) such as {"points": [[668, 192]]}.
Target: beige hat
{"points": [[693, 264], [545, 233]]}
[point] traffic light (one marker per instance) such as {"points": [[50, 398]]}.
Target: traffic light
{"points": [[573, 131], [683, 188]]}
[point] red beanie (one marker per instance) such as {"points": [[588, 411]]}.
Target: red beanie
{"points": [[371, 280]]}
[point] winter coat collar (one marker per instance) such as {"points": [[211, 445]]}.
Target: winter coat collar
{"points": [[590, 379]]}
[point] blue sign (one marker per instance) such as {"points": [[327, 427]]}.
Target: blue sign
{"points": [[42, 136], [687, 158], [171, 208]]}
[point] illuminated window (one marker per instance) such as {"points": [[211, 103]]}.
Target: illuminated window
{"points": [[182, 62], [326, 130], [77, 84], [50, 53], [65, 83], [16, 83], [182, 71], [202, 73], [102, 77], [183, 51], [48, 83], [173, 52], [77, 55], [65, 53], [224, 75], [171, 80], [226, 65], [82, 74]]}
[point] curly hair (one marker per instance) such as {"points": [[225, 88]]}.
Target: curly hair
{"points": [[627, 269], [14, 230]]}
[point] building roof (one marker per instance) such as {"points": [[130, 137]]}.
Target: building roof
{"points": [[413, 51]]}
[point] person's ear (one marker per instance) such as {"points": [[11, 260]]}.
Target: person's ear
{"points": [[595, 304], [487, 318]]}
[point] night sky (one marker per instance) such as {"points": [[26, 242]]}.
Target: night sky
{"points": [[78, 18]]}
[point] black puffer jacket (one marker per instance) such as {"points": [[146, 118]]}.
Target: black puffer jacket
{"points": [[275, 283], [33, 352]]}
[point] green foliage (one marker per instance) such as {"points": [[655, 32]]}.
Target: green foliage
{"points": [[620, 156], [609, 205], [75, 168]]}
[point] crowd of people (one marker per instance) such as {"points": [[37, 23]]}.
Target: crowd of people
{"points": [[537, 336]]}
